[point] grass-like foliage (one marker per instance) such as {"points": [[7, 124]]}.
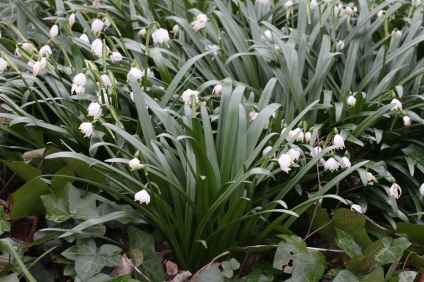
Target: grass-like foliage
{"points": [[213, 128]]}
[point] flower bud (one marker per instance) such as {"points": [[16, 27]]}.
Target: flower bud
{"points": [[406, 120], [356, 208], [54, 31], [71, 20], [351, 101]]}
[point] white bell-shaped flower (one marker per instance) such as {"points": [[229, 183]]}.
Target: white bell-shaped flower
{"points": [[397, 105], [217, 90], [94, 110], [86, 128], [331, 164], [97, 26], [45, 51], [3, 65], [161, 36], [85, 38], [338, 141], [188, 94], [115, 57], [142, 196], [395, 191]]}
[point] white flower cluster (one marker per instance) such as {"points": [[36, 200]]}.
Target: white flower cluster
{"points": [[199, 22]]}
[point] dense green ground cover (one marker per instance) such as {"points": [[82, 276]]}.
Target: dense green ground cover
{"points": [[217, 140]]}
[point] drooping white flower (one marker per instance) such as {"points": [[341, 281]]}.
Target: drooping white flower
{"points": [[397, 106], [175, 30], [253, 115], [97, 42], [406, 120], [308, 136], [212, 47], [313, 4], [29, 47], [300, 136], [106, 23], [266, 150], [331, 164], [39, 66], [3, 65], [97, 26], [71, 20], [217, 90], [338, 141], [98, 51], [339, 10], [416, 3], [350, 11], [30, 64], [45, 51], [142, 32], [78, 84], [84, 38], [316, 150], [294, 154], [106, 80], [199, 22], [356, 208], [351, 101], [371, 177], [345, 163], [380, 14], [422, 189], [285, 161], [267, 34], [395, 191], [187, 96], [288, 4], [96, 4], [137, 73], [160, 36], [115, 57], [36, 68], [17, 53], [94, 110], [340, 45], [142, 197], [54, 31], [396, 33], [86, 128]]}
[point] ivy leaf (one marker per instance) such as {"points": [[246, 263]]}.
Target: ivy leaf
{"points": [[142, 247], [346, 242], [292, 255], [212, 274], [353, 224], [391, 251], [89, 260], [345, 276], [70, 202]]}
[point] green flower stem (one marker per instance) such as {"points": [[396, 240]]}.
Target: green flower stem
{"points": [[146, 52]]}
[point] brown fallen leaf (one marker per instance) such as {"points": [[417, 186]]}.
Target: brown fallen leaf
{"points": [[126, 268], [171, 268]]}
